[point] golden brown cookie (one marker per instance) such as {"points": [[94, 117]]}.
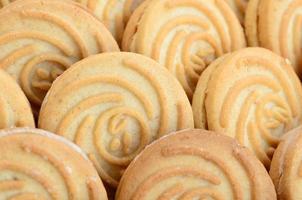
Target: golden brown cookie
{"points": [[276, 25], [195, 164], [184, 35], [37, 165], [252, 95], [39, 39], [112, 105], [286, 168], [239, 7], [113, 13], [15, 110]]}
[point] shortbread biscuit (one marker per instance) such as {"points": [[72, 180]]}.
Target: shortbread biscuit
{"points": [[184, 35], [252, 95], [112, 105], [276, 25], [196, 164], [113, 13], [239, 7], [39, 39], [286, 170], [36, 164], [15, 110]]}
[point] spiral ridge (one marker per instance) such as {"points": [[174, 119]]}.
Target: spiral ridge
{"points": [[187, 169], [115, 109], [45, 40], [239, 7], [113, 13], [282, 36], [187, 37], [286, 168], [57, 177], [15, 110], [259, 101]]}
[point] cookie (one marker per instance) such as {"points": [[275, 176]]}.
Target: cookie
{"points": [[112, 105], [286, 166], [196, 164], [184, 35], [15, 110], [39, 39], [113, 13], [276, 25], [36, 164], [239, 7], [252, 95]]}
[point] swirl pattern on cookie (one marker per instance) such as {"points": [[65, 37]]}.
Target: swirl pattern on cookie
{"points": [[183, 35], [252, 95], [113, 13], [36, 164], [119, 104], [15, 110], [277, 27], [41, 39], [195, 164], [286, 168]]}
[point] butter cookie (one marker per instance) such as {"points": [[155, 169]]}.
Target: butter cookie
{"points": [[112, 105], [36, 165], [185, 36], [252, 95], [286, 168], [39, 39], [196, 164], [276, 25]]}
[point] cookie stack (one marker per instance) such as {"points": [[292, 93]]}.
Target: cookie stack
{"points": [[150, 99]]}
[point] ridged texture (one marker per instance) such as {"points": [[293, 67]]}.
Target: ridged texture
{"points": [[15, 110], [276, 25], [286, 168], [39, 39], [113, 13], [119, 104], [35, 165], [195, 164], [239, 7], [184, 35], [252, 95]]}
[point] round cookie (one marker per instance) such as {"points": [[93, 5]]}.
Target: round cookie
{"points": [[113, 13], [39, 39], [112, 105], [196, 164], [15, 110], [276, 25], [239, 7], [252, 95], [286, 171], [36, 164], [184, 35]]}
